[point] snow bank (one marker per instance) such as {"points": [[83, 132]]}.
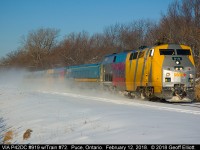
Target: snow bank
{"points": [[59, 112]]}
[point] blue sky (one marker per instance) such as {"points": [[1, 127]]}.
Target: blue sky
{"points": [[19, 17]]}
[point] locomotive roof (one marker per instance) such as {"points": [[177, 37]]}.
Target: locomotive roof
{"points": [[120, 53], [84, 65], [116, 57]]}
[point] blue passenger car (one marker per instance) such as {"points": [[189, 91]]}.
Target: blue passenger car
{"points": [[85, 73]]}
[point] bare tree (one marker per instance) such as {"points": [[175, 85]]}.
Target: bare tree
{"points": [[181, 25], [75, 48], [39, 44]]}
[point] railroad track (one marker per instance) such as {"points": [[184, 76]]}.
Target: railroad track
{"points": [[193, 104]]}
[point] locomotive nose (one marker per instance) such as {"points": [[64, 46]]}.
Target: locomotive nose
{"points": [[178, 80]]}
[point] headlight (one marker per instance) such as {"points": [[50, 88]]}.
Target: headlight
{"points": [[190, 80], [168, 74], [167, 79], [178, 62], [191, 75]]}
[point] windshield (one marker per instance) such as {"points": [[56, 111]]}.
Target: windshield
{"points": [[167, 52], [183, 52]]}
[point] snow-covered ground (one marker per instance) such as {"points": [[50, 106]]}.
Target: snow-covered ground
{"points": [[58, 112]]}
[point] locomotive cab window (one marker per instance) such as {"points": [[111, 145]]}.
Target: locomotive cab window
{"points": [[167, 52], [183, 52]]}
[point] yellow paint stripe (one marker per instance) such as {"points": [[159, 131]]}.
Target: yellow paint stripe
{"points": [[86, 80]]}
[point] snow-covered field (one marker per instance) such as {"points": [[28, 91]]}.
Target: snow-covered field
{"points": [[58, 112]]}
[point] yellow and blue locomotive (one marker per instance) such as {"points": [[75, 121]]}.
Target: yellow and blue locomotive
{"points": [[165, 71]]}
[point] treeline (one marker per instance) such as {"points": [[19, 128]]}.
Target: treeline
{"points": [[40, 49]]}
